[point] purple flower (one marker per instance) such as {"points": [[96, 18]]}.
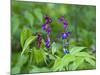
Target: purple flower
{"points": [[48, 30], [65, 24], [44, 26], [68, 33], [65, 35], [47, 42], [48, 19], [62, 20]]}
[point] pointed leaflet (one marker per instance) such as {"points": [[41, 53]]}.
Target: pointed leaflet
{"points": [[29, 17], [20, 62], [90, 61], [78, 61], [28, 42], [84, 54], [76, 49], [67, 59], [58, 65], [54, 47], [39, 56], [38, 69], [38, 14], [15, 23], [25, 34]]}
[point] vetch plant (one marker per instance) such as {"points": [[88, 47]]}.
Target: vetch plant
{"points": [[65, 34], [46, 27]]}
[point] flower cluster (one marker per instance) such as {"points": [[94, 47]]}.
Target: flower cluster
{"points": [[64, 34], [46, 27], [65, 23]]}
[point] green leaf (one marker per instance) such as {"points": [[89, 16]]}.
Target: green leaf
{"points": [[51, 56], [39, 56], [58, 65], [44, 55], [90, 61], [38, 14], [25, 34], [84, 54], [15, 70], [15, 23], [29, 17], [76, 49], [61, 63], [54, 47], [37, 69], [20, 62], [67, 59], [78, 61], [28, 42]]}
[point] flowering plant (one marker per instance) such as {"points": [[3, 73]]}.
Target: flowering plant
{"points": [[52, 42]]}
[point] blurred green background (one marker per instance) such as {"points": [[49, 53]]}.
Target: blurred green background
{"points": [[81, 23]]}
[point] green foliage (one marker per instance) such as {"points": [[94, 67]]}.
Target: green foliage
{"points": [[37, 69], [29, 18], [54, 47], [58, 65], [90, 61], [76, 49], [38, 56], [25, 34], [73, 60], [26, 39], [20, 62], [78, 61], [84, 54], [28, 42], [15, 23], [38, 14]]}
